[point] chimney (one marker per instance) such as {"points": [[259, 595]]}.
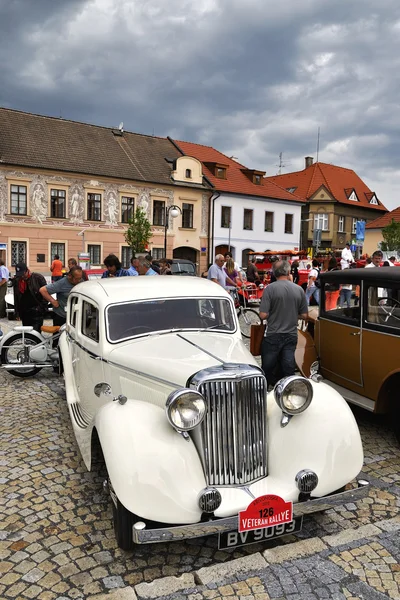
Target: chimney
{"points": [[309, 161]]}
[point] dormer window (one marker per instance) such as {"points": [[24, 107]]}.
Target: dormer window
{"points": [[351, 194], [188, 173], [220, 172], [254, 175], [373, 200]]}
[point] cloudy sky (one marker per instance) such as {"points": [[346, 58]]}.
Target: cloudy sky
{"points": [[253, 78]]}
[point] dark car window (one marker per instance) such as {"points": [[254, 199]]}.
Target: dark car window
{"points": [[90, 321], [341, 302], [130, 319]]}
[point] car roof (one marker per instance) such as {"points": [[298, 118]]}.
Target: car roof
{"points": [[183, 261], [366, 274], [124, 289]]}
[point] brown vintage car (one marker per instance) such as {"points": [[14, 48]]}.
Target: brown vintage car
{"points": [[356, 338]]}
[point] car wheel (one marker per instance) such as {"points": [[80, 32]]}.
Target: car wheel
{"points": [[13, 352], [395, 420], [123, 522]]}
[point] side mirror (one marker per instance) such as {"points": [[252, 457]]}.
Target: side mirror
{"points": [[102, 388]]}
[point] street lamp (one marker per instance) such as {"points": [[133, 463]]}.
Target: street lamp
{"points": [[173, 211]]}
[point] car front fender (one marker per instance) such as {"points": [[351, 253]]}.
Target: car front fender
{"points": [[155, 472], [324, 438]]}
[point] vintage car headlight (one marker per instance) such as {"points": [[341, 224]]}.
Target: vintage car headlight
{"points": [[185, 409], [293, 394]]}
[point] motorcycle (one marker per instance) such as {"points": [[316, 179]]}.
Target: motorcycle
{"points": [[24, 352]]}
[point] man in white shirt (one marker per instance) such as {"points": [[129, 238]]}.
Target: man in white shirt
{"points": [[376, 259], [347, 257], [4, 276], [217, 274], [229, 255]]}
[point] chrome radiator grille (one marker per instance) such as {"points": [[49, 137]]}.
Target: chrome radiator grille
{"points": [[233, 433]]}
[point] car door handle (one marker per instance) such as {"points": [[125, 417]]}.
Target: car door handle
{"points": [[94, 357], [358, 333]]}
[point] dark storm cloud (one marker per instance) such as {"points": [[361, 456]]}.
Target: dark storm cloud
{"points": [[252, 77]]}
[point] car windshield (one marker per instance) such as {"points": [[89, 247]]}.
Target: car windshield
{"points": [[178, 268], [130, 319]]}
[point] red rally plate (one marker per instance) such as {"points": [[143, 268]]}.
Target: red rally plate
{"points": [[265, 511]]}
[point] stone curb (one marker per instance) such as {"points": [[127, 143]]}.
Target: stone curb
{"points": [[218, 573], [296, 550], [165, 586]]}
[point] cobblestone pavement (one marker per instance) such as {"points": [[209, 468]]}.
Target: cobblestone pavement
{"points": [[57, 540]]}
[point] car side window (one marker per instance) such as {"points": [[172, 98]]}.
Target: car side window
{"points": [[90, 321], [73, 312], [342, 302], [383, 306]]}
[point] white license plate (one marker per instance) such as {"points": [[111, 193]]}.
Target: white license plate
{"points": [[233, 539]]}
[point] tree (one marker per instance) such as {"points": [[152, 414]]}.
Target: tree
{"points": [[138, 234], [391, 237]]}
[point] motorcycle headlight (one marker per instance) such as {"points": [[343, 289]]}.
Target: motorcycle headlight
{"points": [[185, 409], [293, 394]]}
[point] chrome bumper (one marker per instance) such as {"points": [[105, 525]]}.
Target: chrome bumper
{"points": [[141, 535]]}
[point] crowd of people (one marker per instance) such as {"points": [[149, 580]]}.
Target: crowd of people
{"points": [[32, 294]]}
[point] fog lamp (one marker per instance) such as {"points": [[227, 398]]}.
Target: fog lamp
{"points": [[209, 500], [306, 481], [293, 394], [185, 409]]}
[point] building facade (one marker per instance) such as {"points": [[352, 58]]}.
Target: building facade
{"points": [[373, 231], [69, 187], [336, 199], [247, 213]]}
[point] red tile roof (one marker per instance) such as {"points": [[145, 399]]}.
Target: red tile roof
{"points": [[385, 219], [339, 182], [236, 182]]}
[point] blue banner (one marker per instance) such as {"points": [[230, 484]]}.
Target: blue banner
{"points": [[360, 231]]}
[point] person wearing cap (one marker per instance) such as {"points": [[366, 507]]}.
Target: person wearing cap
{"points": [[29, 304], [347, 257]]}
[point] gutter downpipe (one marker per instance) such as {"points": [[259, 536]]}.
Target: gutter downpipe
{"points": [[211, 212]]}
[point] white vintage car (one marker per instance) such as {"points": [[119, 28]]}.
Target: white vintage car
{"points": [[156, 366]]}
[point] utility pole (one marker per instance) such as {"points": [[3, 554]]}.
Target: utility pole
{"points": [[280, 165]]}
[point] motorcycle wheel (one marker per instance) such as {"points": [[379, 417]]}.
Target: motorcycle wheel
{"points": [[13, 353]]}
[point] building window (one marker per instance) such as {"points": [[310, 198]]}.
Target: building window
{"points": [[321, 221], [188, 173], [19, 200], [157, 253], [354, 225], [257, 179], [127, 208], [187, 216], [57, 249], [220, 172], [291, 189], [159, 213], [94, 253], [248, 219], [18, 253], [225, 217], [126, 255], [288, 223], [57, 204], [94, 207], [341, 225], [269, 221]]}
